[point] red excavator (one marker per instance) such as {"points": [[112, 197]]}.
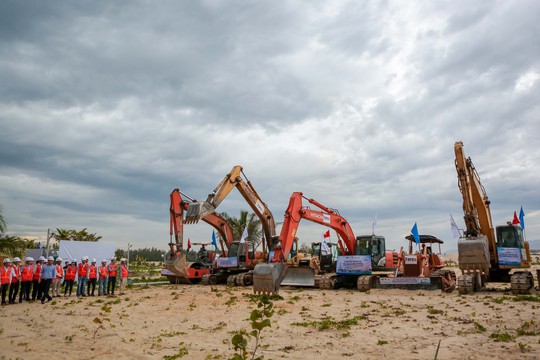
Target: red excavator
{"points": [[236, 267], [355, 258], [178, 268]]}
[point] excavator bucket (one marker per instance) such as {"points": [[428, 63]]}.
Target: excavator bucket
{"points": [[299, 276], [473, 253], [268, 277], [176, 263], [197, 211]]}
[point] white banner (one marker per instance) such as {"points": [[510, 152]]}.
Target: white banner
{"points": [[225, 262], [509, 256], [77, 249], [404, 281], [411, 259], [353, 265]]}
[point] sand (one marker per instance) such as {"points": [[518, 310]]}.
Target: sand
{"points": [[199, 321]]}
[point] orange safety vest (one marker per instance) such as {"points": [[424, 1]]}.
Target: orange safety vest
{"points": [[92, 272], [4, 275], [37, 273], [59, 271], [17, 274], [83, 269], [103, 272], [112, 271], [70, 272], [124, 271], [27, 273]]}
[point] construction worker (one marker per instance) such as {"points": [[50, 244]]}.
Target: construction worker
{"points": [[57, 282], [82, 273], [48, 274], [111, 282], [123, 275], [65, 268], [5, 279], [27, 274], [92, 277], [71, 273], [103, 274], [15, 280], [36, 288]]}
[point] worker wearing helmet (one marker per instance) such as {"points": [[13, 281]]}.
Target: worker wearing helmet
{"points": [[82, 279], [103, 274], [92, 278], [71, 274], [48, 274], [5, 279], [36, 283], [27, 273], [15, 280], [57, 281], [111, 282], [123, 275]]}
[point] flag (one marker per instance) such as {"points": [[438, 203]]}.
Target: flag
{"points": [[516, 220], [453, 226], [414, 232], [214, 241], [373, 225], [324, 246], [188, 244], [522, 218], [244, 236]]}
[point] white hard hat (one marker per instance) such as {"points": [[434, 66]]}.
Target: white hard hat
{"points": [[41, 258], [50, 258], [28, 258], [113, 259], [6, 260], [84, 258], [31, 258], [122, 259], [104, 260], [16, 259], [93, 260], [74, 260], [58, 259]]}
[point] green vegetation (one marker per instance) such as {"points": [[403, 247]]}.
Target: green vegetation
{"points": [[502, 337], [328, 323], [180, 354], [382, 342]]}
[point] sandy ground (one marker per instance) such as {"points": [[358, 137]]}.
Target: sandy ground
{"points": [[158, 321]]}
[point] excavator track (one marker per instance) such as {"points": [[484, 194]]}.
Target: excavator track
{"points": [[465, 284], [244, 279], [364, 283], [231, 280], [327, 282], [521, 282]]}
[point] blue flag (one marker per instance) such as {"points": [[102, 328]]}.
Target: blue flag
{"points": [[414, 232], [522, 218], [214, 242]]}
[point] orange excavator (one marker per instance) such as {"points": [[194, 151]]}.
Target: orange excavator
{"points": [[236, 267], [354, 259], [177, 267]]}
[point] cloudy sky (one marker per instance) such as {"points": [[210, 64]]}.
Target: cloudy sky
{"points": [[105, 107]]}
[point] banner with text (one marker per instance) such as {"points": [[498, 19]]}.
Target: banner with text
{"points": [[353, 265], [509, 256], [225, 262]]}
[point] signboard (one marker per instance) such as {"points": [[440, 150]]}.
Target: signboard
{"points": [[404, 281], [225, 262], [411, 259], [326, 218], [353, 265], [509, 256]]}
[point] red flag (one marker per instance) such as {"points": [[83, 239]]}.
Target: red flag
{"points": [[516, 219], [326, 234], [188, 244]]}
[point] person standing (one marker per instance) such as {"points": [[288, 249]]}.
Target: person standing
{"points": [[65, 268], [36, 288], [102, 282], [71, 273], [123, 275], [111, 282], [82, 273], [48, 274], [27, 274], [92, 277], [5, 279], [57, 281], [15, 280]]}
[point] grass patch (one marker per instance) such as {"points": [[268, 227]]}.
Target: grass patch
{"points": [[479, 327], [502, 337], [382, 342], [328, 323]]}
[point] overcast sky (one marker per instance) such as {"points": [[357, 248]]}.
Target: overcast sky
{"points": [[107, 106]]}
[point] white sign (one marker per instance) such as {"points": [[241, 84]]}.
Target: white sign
{"points": [[225, 262], [509, 256], [411, 259], [404, 281], [98, 250], [353, 265], [326, 218], [259, 206]]}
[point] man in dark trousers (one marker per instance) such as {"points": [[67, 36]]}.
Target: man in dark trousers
{"points": [[36, 286], [5, 279], [113, 270], [48, 273], [15, 280]]}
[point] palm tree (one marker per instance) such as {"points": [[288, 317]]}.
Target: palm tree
{"points": [[3, 225], [246, 219], [83, 235]]}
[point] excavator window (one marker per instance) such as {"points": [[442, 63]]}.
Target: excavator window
{"points": [[510, 237], [363, 246], [233, 249]]}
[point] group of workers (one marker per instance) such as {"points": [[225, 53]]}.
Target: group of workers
{"points": [[43, 279]]}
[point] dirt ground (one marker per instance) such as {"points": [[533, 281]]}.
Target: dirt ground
{"points": [[198, 322]]}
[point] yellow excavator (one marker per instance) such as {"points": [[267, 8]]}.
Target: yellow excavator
{"points": [[486, 254], [242, 256]]}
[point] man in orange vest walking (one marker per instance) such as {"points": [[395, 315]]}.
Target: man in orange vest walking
{"points": [[15, 280], [103, 274], [36, 288], [92, 277], [82, 272], [71, 273], [113, 270], [57, 282], [123, 275], [27, 274], [5, 279]]}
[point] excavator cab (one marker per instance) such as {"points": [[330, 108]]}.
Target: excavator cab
{"points": [[512, 250], [372, 245], [327, 259]]}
